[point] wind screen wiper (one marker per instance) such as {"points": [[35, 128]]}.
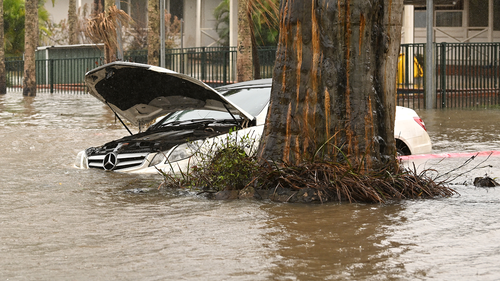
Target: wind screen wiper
{"points": [[227, 121], [190, 122]]}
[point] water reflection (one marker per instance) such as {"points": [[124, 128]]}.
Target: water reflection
{"points": [[333, 242]]}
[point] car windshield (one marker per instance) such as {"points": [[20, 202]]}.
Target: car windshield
{"points": [[251, 100]]}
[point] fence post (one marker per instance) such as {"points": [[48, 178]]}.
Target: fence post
{"points": [[443, 74], [203, 64], [496, 66], [406, 69], [224, 66], [51, 75]]}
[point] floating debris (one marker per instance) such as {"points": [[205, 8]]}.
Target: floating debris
{"points": [[137, 190], [485, 181]]}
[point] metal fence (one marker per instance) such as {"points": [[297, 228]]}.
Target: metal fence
{"points": [[53, 75], [213, 65], [467, 74]]}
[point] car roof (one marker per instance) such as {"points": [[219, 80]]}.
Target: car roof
{"points": [[247, 84]]}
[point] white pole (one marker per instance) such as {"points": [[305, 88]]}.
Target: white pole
{"points": [[233, 35], [408, 24], [408, 38], [233, 22], [198, 23]]}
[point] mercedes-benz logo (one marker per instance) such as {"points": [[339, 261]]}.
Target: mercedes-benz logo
{"points": [[110, 161]]}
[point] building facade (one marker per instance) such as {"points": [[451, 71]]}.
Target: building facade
{"points": [[455, 21], [197, 17]]}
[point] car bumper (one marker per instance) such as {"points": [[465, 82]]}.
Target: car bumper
{"points": [[420, 144], [181, 166]]}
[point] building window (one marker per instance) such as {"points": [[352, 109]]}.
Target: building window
{"points": [[176, 8], [419, 19], [449, 18], [445, 15], [478, 13]]}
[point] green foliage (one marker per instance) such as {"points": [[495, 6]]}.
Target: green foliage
{"points": [[14, 14], [266, 26], [226, 164], [221, 14], [14, 27], [230, 169], [264, 16]]}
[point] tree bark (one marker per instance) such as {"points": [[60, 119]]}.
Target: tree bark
{"points": [[255, 57], [3, 73], [72, 23], [154, 32], [30, 44], [333, 94], [244, 61], [109, 53]]}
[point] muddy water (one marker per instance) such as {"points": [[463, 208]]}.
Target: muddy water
{"points": [[59, 223]]}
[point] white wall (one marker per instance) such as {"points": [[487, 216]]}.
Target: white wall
{"points": [[190, 23], [59, 11]]}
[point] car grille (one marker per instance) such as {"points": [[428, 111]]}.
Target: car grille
{"points": [[114, 161]]}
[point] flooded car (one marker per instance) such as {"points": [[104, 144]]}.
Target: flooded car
{"points": [[187, 115]]}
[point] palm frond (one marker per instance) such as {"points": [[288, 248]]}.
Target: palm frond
{"points": [[103, 27]]}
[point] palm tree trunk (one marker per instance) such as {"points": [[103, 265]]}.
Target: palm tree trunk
{"points": [[154, 32], [3, 73], [30, 44], [109, 53], [244, 57], [255, 58], [334, 87], [72, 22]]}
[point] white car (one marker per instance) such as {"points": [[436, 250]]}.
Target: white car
{"points": [[194, 115]]}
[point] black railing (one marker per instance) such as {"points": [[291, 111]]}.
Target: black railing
{"points": [[467, 74]]}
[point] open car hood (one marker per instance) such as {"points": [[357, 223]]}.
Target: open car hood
{"points": [[141, 93]]}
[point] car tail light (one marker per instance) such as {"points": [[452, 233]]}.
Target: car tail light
{"points": [[420, 122]]}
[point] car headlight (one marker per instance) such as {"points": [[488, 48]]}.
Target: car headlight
{"points": [[184, 151], [158, 159], [81, 160]]}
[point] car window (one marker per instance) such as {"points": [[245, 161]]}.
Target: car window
{"points": [[251, 100]]}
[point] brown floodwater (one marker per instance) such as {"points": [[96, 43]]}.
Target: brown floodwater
{"points": [[60, 223]]}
